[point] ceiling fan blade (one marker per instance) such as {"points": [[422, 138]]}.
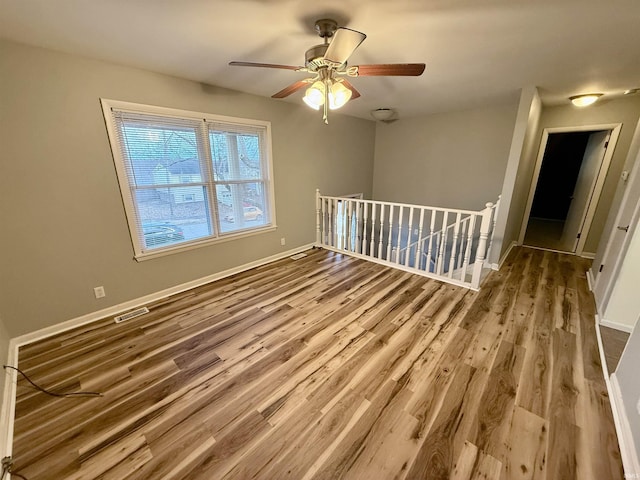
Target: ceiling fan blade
{"points": [[263, 65], [344, 43], [391, 69], [354, 93], [294, 87]]}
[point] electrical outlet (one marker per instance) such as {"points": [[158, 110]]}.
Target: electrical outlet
{"points": [[283, 241], [99, 292], [638, 406], [415, 231]]}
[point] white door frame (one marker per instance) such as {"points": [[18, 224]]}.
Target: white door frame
{"points": [[597, 189], [613, 259]]}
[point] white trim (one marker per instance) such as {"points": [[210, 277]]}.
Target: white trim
{"points": [[621, 423], [597, 188], [183, 247], [141, 253], [630, 461], [630, 190], [8, 412], [152, 297], [399, 266], [590, 282], [588, 255], [616, 326]]}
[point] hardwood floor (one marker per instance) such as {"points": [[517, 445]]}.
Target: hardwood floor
{"points": [[613, 343], [331, 367]]}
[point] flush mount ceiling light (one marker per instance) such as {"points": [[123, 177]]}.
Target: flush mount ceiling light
{"points": [[383, 114], [585, 100], [328, 88]]}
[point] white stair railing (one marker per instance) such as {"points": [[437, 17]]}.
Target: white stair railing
{"points": [[444, 243]]}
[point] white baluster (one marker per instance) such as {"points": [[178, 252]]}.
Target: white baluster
{"points": [[409, 242], [389, 237], [417, 261], [363, 247], [454, 247], [372, 245], [443, 241], [496, 208], [334, 223], [463, 239], [399, 237], [432, 227], [323, 221], [349, 225], [381, 230], [344, 217], [467, 252], [318, 232]]}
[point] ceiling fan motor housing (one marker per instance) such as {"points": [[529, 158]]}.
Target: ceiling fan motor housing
{"points": [[326, 27], [314, 57]]}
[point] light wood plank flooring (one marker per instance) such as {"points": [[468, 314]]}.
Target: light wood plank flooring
{"points": [[331, 367], [613, 343]]}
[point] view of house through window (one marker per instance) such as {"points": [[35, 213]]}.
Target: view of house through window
{"points": [[190, 180]]}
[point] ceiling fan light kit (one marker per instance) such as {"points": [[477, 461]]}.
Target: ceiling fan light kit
{"points": [[328, 62], [585, 100]]}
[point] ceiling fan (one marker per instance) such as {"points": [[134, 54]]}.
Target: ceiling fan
{"points": [[328, 63]]}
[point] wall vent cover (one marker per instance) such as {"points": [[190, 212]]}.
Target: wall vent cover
{"points": [[132, 314], [298, 256]]}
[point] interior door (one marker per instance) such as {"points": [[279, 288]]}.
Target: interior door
{"points": [[583, 191]]}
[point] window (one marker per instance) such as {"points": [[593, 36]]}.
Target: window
{"points": [[189, 178]]}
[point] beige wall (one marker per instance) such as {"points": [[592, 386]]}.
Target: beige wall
{"points": [[624, 110], [522, 157], [454, 159], [64, 227]]}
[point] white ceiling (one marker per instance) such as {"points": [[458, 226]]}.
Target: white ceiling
{"points": [[478, 52]]}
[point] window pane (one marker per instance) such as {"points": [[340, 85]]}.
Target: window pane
{"points": [[173, 192], [160, 155], [235, 156], [173, 215], [242, 206]]}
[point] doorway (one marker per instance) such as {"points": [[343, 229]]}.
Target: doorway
{"points": [[569, 174]]}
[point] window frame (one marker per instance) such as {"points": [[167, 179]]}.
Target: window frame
{"points": [[209, 182]]}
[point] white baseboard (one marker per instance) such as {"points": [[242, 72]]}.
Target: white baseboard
{"points": [[7, 413], [616, 326], [588, 255], [630, 460], [138, 302], [590, 279]]}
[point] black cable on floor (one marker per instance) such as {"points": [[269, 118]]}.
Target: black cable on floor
{"points": [[53, 394], [7, 467]]}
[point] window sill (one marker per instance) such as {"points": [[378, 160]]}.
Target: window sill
{"points": [[141, 257]]}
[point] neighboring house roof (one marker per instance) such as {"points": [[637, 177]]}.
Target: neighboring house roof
{"points": [[184, 167]]}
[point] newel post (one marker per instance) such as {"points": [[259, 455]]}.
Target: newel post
{"points": [[485, 227], [318, 232], [496, 208]]}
